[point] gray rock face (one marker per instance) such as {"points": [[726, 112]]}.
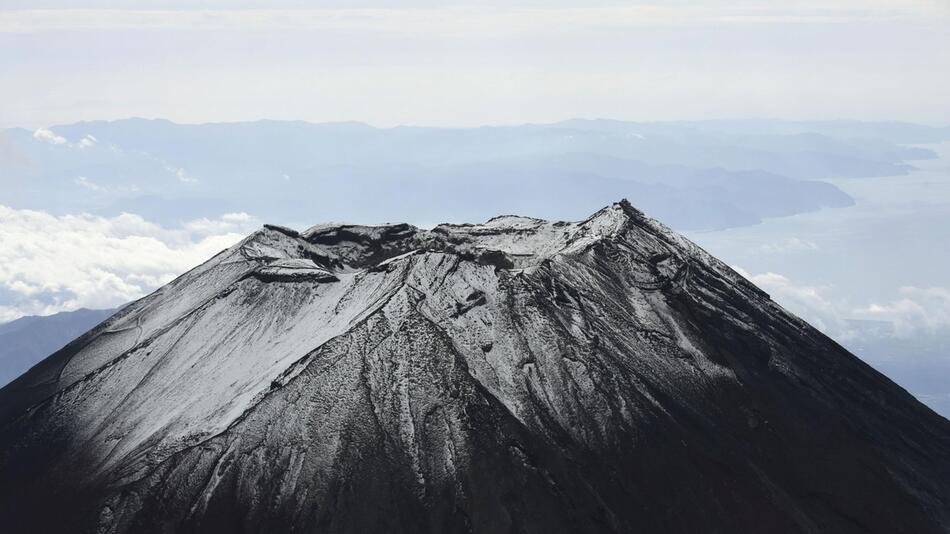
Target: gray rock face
{"points": [[513, 376]]}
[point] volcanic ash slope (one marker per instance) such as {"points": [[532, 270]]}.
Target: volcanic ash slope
{"points": [[513, 376]]}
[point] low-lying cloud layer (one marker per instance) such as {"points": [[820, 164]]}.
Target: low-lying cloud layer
{"points": [[917, 311], [52, 263], [808, 302]]}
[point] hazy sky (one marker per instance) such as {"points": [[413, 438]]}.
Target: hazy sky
{"points": [[496, 62]]}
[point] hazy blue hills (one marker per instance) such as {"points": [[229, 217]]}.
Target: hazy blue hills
{"points": [[702, 175], [27, 340]]}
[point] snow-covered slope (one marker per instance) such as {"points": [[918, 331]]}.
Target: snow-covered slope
{"points": [[513, 376]]}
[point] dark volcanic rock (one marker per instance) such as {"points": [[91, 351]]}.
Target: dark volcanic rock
{"points": [[515, 376]]}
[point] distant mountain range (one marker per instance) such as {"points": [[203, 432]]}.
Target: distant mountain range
{"points": [[693, 175], [27, 340]]}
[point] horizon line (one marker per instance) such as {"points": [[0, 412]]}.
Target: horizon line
{"points": [[514, 124]]}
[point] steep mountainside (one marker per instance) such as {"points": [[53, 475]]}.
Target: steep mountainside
{"points": [[513, 376], [27, 340]]}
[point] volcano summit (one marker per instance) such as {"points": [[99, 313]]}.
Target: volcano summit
{"points": [[517, 376]]}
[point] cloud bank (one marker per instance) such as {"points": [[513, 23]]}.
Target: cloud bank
{"points": [[52, 263], [48, 136], [917, 311], [811, 303]]}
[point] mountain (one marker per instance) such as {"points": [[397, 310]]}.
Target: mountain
{"points": [[27, 340], [513, 376], [695, 176]]}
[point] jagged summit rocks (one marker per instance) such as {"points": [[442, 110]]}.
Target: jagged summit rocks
{"points": [[513, 376]]}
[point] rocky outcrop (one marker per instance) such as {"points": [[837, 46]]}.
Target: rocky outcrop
{"points": [[513, 376]]}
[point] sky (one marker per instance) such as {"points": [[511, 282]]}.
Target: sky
{"points": [[432, 63]]}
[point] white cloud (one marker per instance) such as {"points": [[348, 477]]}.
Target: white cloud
{"points": [[82, 181], [181, 174], [48, 136], [918, 310], [86, 183], [811, 303], [52, 263]]}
